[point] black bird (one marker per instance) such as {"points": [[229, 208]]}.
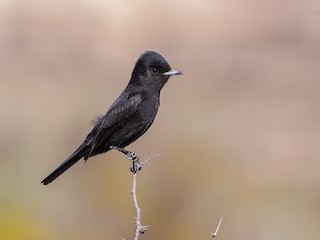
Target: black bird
{"points": [[129, 116]]}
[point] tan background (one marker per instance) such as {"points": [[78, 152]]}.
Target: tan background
{"points": [[240, 129]]}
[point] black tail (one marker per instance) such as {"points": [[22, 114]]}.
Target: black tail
{"points": [[75, 157]]}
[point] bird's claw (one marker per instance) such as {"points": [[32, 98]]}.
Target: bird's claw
{"points": [[135, 166], [133, 156]]}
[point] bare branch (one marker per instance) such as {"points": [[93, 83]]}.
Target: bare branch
{"points": [[140, 229], [217, 229]]}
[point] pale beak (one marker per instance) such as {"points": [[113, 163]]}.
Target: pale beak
{"points": [[172, 73]]}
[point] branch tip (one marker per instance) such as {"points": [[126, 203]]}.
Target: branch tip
{"points": [[217, 229]]}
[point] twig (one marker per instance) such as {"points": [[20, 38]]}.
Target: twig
{"points": [[217, 229], [140, 229], [152, 158]]}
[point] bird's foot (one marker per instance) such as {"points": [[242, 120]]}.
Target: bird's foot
{"points": [[136, 165], [130, 155]]}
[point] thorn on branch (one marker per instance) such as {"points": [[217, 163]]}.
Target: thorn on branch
{"points": [[217, 229], [152, 158], [143, 229]]}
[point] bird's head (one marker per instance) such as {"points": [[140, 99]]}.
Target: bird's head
{"points": [[152, 69]]}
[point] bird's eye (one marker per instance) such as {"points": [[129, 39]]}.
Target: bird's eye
{"points": [[155, 70]]}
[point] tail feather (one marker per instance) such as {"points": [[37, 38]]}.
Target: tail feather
{"points": [[75, 157]]}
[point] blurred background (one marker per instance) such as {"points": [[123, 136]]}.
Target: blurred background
{"points": [[239, 130]]}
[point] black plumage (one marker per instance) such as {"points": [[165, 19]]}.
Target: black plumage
{"points": [[129, 116]]}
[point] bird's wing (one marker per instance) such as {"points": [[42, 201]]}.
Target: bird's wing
{"points": [[120, 111]]}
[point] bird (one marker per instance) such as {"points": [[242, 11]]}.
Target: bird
{"points": [[130, 115]]}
